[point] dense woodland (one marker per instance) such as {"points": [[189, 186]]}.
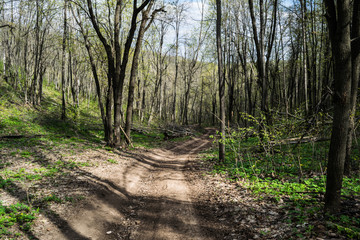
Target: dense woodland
{"points": [[285, 72]]}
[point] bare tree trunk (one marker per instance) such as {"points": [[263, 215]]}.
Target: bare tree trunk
{"points": [[63, 103], [120, 70], [201, 102], [221, 82], [110, 75], [116, 64], [338, 20], [41, 80], [285, 84], [260, 49], [26, 70], [106, 120], [304, 53], [143, 98], [355, 57], [134, 69], [117, 79], [177, 30]]}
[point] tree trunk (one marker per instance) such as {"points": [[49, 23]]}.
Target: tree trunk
{"points": [[63, 103], [304, 53], [221, 82], [355, 58], [201, 102], [177, 29], [338, 17], [104, 118], [134, 68]]}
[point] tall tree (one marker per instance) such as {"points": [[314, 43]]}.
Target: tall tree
{"points": [[355, 60], [117, 58], [144, 25], [221, 82], [179, 8], [263, 48], [105, 117], [63, 103], [304, 51], [339, 19]]}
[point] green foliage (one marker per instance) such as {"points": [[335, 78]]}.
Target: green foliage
{"points": [[17, 119], [19, 175], [348, 226], [288, 174], [19, 214], [36, 174], [52, 198], [112, 161], [26, 154], [149, 140]]}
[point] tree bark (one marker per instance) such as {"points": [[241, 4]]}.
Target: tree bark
{"points": [[338, 16], [304, 53], [104, 118], [355, 58], [63, 103], [134, 67], [221, 82], [177, 30], [121, 64]]}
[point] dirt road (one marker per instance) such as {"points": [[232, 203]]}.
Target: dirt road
{"points": [[149, 197], [169, 214]]}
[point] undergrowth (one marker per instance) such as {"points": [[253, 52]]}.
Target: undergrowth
{"points": [[292, 175], [19, 213]]}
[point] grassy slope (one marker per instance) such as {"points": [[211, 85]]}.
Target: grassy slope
{"points": [[23, 163], [51, 150]]}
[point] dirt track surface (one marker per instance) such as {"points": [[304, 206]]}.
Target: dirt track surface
{"points": [[169, 213], [149, 197]]}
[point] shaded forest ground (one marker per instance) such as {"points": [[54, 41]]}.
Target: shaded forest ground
{"points": [[58, 170]]}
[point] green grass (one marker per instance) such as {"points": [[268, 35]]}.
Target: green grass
{"points": [[18, 119], [49, 170], [150, 140], [180, 139]]}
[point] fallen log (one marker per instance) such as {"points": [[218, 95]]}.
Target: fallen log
{"points": [[20, 136], [140, 130], [298, 140], [176, 132]]}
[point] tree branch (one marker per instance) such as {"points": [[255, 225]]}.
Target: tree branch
{"points": [[7, 25]]}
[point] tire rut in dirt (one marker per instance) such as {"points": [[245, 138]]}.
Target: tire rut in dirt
{"points": [[168, 211]]}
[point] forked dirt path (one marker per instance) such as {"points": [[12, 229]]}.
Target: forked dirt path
{"points": [[147, 198]]}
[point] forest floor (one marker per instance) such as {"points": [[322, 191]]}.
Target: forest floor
{"points": [[58, 180], [160, 193]]}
